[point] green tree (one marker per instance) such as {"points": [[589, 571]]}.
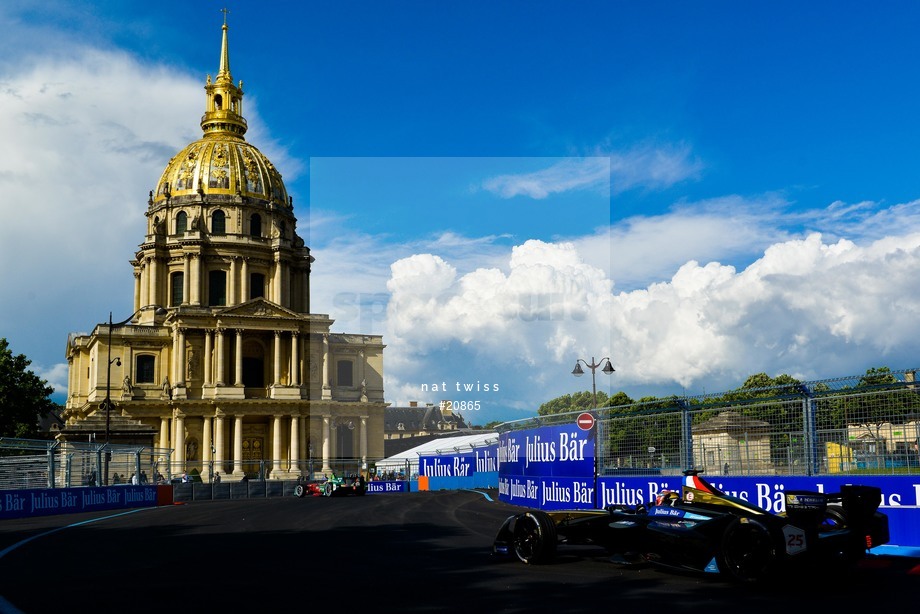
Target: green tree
{"points": [[24, 397], [581, 401]]}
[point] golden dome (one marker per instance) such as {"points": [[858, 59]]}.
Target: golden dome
{"points": [[222, 162], [215, 165]]}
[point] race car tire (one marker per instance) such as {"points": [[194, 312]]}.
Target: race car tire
{"points": [[834, 519], [747, 551], [327, 489], [300, 491], [534, 538]]}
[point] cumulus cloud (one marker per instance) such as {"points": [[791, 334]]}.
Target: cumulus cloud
{"points": [[806, 307], [79, 145]]}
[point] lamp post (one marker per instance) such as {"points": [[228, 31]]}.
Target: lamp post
{"points": [[106, 404], [578, 372]]}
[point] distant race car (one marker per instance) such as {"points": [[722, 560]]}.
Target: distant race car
{"points": [[707, 531], [333, 487]]}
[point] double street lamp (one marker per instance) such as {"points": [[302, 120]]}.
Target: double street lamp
{"points": [[578, 372], [106, 404]]}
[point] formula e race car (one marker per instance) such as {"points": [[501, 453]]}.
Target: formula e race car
{"points": [[333, 487], [707, 531]]}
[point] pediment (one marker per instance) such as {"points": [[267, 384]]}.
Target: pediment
{"points": [[259, 308]]}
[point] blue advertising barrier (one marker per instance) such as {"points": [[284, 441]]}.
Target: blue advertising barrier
{"points": [[552, 467], [44, 502], [476, 468], [379, 487]]}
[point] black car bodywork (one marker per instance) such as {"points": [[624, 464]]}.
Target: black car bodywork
{"points": [[705, 530]]}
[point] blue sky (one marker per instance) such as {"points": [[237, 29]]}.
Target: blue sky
{"points": [[701, 191]]}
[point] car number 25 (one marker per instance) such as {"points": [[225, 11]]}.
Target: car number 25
{"points": [[795, 539]]}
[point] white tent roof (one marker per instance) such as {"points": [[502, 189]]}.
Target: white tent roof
{"points": [[444, 445]]}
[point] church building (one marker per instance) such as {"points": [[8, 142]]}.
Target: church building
{"points": [[222, 367]]}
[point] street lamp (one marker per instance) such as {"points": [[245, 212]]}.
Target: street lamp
{"points": [[106, 404], [578, 372]]}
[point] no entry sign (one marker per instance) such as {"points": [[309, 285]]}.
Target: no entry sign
{"points": [[585, 421]]}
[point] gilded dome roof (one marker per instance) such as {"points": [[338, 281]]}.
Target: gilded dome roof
{"points": [[215, 165], [222, 162]]}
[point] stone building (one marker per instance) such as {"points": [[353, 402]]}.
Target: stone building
{"points": [[222, 366], [731, 442]]}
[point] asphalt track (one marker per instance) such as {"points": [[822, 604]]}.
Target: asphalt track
{"points": [[418, 552]]}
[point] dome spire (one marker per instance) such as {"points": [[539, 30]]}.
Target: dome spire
{"points": [[224, 112], [224, 70]]}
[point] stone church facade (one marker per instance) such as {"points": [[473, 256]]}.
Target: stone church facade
{"points": [[222, 367]]}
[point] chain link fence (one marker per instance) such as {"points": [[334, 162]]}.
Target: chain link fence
{"points": [[857, 425]]}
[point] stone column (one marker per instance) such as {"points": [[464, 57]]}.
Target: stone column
{"points": [[219, 431], [179, 441], [244, 280], [164, 434], [277, 365], [207, 357], [231, 286], [220, 358], [144, 285], [238, 372], [186, 278], [137, 290], [276, 458], [154, 295], [295, 445], [295, 359], [180, 358], [238, 446], [195, 282]]}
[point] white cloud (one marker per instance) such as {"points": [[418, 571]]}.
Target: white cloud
{"points": [[807, 308], [82, 135], [653, 166], [649, 166], [566, 175]]}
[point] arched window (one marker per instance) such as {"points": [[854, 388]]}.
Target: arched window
{"points": [[255, 225], [177, 284], [218, 102], [217, 288], [181, 222], [343, 371], [144, 369], [218, 222]]}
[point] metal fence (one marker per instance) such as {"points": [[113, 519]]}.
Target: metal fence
{"points": [[858, 425], [32, 463], [866, 424]]}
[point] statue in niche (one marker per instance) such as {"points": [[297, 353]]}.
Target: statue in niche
{"points": [[191, 449], [126, 388], [167, 389], [192, 364]]}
